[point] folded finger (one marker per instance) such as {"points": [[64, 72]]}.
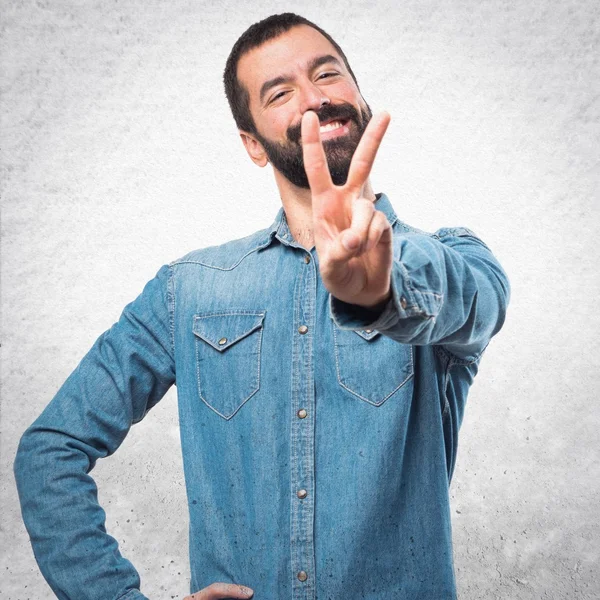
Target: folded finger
{"points": [[355, 238], [380, 230]]}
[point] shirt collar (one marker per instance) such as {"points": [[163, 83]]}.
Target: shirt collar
{"points": [[281, 230]]}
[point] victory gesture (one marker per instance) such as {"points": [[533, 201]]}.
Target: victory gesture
{"points": [[352, 239]]}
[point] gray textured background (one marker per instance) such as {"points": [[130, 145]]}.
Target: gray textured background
{"points": [[119, 154]]}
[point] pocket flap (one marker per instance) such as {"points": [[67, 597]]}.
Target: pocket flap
{"points": [[367, 334], [222, 330]]}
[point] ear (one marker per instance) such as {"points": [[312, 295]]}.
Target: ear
{"points": [[254, 149]]}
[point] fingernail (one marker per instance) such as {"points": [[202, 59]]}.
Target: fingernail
{"points": [[248, 591]]}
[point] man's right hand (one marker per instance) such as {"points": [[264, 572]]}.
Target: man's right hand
{"points": [[217, 591]]}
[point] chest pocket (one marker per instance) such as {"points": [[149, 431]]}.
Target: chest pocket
{"points": [[228, 358], [371, 366]]}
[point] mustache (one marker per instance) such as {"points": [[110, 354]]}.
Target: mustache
{"points": [[327, 113]]}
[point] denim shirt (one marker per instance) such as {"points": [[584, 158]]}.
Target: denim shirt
{"points": [[318, 438]]}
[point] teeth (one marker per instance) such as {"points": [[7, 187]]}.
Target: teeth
{"points": [[330, 126]]}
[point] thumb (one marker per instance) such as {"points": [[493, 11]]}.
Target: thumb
{"points": [[345, 246], [335, 257]]}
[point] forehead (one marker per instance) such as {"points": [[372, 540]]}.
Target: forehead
{"points": [[286, 54]]}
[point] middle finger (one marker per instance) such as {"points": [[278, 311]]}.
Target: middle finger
{"points": [[365, 153]]}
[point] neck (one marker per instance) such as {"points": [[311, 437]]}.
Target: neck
{"points": [[297, 204]]}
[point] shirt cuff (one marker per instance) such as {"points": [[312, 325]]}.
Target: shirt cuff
{"points": [[355, 317], [405, 302]]}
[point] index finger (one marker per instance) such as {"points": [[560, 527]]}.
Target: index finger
{"points": [[365, 152], [315, 161]]}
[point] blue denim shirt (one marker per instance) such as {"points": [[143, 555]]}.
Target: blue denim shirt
{"points": [[318, 438]]}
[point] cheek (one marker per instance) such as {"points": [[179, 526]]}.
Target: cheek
{"points": [[349, 94], [277, 123], [277, 126], [348, 90]]}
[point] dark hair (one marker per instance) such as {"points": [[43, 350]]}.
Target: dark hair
{"points": [[256, 35]]}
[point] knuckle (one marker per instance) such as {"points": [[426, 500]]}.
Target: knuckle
{"points": [[381, 218], [365, 203], [380, 224], [363, 208], [315, 165], [361, 168]]}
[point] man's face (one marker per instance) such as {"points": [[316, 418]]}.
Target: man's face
{"points": [[299, 71]]}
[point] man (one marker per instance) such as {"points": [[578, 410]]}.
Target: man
{"points": [[322, 367]]}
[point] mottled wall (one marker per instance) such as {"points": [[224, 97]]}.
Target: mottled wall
{"points": [[119, 154]]}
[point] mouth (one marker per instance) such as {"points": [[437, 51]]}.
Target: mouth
{"points": [[334, 128]]}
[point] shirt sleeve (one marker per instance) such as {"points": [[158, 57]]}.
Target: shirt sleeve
{"points": [[448, 289], [126, 372]]}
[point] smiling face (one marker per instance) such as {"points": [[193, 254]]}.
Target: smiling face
{"points": [[298, 71]]}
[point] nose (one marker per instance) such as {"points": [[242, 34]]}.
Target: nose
{"points": [[313, 98]]}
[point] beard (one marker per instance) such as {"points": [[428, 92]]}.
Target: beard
{"points": [[287, 157]]}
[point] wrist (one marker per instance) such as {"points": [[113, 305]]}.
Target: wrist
{"points": [[380, 304]]}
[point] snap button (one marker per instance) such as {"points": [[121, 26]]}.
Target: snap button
{"points": [[403, 302], [301, 494], [302, 413], [222, 341], [303, 329], [302, 576], [368, 331], [307, 258]]}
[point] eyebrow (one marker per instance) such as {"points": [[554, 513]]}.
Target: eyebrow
{"points": [[312, 65]]}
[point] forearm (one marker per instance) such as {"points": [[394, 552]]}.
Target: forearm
{"points": [[448, 290], [66, 525]]}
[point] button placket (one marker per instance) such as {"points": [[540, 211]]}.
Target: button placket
{"points": [[302, 435]]}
